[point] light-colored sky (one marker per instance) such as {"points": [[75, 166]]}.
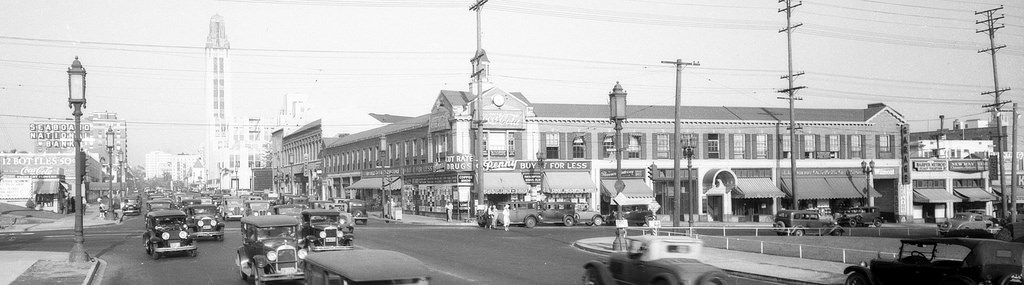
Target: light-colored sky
{"points": [[146, 60]]}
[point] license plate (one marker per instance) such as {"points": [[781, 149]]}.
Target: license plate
{"points": [[175, 244], [206, 227], [288, 270], [331, 239]]}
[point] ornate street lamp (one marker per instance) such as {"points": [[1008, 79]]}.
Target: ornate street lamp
{"points": [[869, 170], [76, 101], [617, 104], [688, 153], [110, 162]]}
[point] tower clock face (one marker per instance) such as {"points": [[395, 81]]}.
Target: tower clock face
{"points": [[498, 100]]}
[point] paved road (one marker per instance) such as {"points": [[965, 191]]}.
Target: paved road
{"points": [[458, 255]]}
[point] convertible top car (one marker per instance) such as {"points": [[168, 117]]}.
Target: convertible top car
{"points": [[655, 260], [364, 267], [944, 261]]}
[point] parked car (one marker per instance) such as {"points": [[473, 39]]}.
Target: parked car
{"points": [[270, 249], [294, 210], [638, 215], [320, 204], [943, 261], [130, 206], [357, 208], [588, 216], [860, 217], [167, 232], [189, 202], [1011, 232], [232, 209], [804, 222], [204, 221], [967, 224], [327, 230], [655, 260], [531, 213], [158, 205], [335, 267], [257, 208]]}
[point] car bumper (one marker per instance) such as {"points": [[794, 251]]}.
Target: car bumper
{"points": [[330, 247], [209, 234], [230, 216], [282, 276], [175, 249]]}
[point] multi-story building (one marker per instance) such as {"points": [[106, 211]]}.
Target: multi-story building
{"points": [[218, 101], [186, 168], [300, 160]]}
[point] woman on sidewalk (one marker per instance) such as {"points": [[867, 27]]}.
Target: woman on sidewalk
{"points": [[505, 219]]}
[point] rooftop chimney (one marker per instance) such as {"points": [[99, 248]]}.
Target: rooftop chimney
{"points": [[942, 122]]}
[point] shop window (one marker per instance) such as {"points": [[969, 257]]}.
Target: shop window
{"points": [[930, 184], [713, 149], [551, 145], [661, 146], [579, 147]]}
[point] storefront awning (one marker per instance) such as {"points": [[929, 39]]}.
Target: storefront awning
{"points": [[974, 194], [505, 183], [374, 183], [753, 188], [934, 196], [43, 187], [859, 185], [635, 188], [850, 187], [717, 191], [568, 182], [1020, 193], [812, 188]]}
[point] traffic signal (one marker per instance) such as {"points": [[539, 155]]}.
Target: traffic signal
{"points": [[652, 171]]}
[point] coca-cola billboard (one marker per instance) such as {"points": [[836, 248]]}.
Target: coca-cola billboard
{"points": [[37, 164]]}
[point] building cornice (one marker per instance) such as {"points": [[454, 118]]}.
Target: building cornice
{"points": [[692, 122]]}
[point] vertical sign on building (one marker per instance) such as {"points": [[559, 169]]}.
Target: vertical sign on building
{"points": [[905, 154]]}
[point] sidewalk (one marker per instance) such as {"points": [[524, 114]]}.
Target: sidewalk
{"points": [[780, 269], [16, 263]]}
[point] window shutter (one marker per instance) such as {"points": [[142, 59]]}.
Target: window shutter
{"points": [[749, 146], [878, 146], [725, 144], [599, 146], [644, 147], [771, 147], [518, 138], [844, 147], [818, 146], [588, 146]]}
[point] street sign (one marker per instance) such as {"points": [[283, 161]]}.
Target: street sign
{"points": [[654, 223], [619, 185], [621, 223]]}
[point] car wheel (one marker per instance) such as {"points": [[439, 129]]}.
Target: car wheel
{"points": [[569, 221], [878, 223], [193, 253], [241, 271], [837, 232], [660, 281], [148, 249], [857, 278], [530, 222], [598, 221], [152, 252], [713, 278], [591, 277], [799, 232]]}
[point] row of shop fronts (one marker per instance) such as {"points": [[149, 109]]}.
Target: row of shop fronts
{"points": [[48, 179]]}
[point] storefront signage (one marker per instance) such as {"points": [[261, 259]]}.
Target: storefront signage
{"points": [[885, 172], [929, 165], [440, 120], [967, 166], [532, 178], [502, 119], [785, 172], [626, 173], [36, 164], [460, 162], [55, 134], [904, 156], [16, 188], [381, 172], [448, 178], [572, 165]]}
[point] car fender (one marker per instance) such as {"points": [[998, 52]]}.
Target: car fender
{"points": [[671, 279], [260, 260], [244, 256], [861, 269], [602, 272]]}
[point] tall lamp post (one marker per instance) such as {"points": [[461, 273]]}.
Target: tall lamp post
{"points": [[110, 163], [688, 153], [617, 104], [869, 171], [76, 100]]}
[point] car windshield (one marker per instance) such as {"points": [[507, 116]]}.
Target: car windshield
{"points": [[335, 279], [275, 232], [936, 251], [961, 217], [259, 206], [170, 221], [204, 210], [289, 210], [582, 207], [317, 219], [160, 205]]}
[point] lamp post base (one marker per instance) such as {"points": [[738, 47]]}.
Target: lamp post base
{"points": [[78, 254], [620, 239]]}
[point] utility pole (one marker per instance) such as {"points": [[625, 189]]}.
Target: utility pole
{"points": [[675, 144], [990, 29], [791, 96], [1013, 169], [478, 118]]}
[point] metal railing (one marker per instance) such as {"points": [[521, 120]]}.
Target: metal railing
{"points": [[894, 232]]}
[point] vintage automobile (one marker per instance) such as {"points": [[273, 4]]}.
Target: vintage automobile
{"points": [[943, 261], [270, 249], [320, 204], [157, 205], [655, 260], [967, 224], [189, 202], [204, 221], [804, 222], [589, 216], [257, 208], [294, 210], [1011, 232], [327, 230], [167, 232], [232, 209], [357, 208], [336, 267], [130, 206], [860, 217], [531, 213], [638, 215]]}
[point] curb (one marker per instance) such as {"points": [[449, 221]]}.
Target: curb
{"points": [[96, 273], [731, 272]]}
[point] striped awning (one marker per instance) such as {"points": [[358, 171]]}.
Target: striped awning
{"points": [[505, 183], [752, 188], [568, 182], [635, 188], [974, 194], [850, 186], [813, 188], [375, 183], [934, 196], [46, 187]]}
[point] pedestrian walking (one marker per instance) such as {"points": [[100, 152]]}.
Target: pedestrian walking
{"points": [[103, 210], [491, 212], [448, 210], [505, 218]]}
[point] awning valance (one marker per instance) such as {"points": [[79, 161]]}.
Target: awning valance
{"points": [[752, 188], [860, 185], [45, 187], [374, 183], [934, 196], [974, 194], [505, 183], [635, 188], [568, 182], [1020, 193], [848, 187], [812, 188]]}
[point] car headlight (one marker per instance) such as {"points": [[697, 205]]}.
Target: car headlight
{"points": [[200, 223], [165, 236], [256, 214], [323, 234], [271, 255], [302, 253], [213, 223], [182, 235], [343, 221]]}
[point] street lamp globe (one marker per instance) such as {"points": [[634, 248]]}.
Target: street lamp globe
{"points": [[617, 103], [110, 138], [76, 83]]}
